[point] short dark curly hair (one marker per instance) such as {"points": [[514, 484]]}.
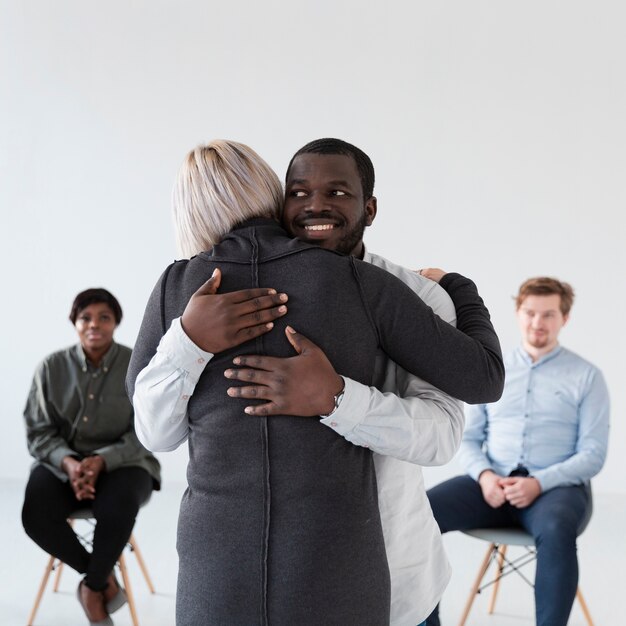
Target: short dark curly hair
{"points": [[329, 145], [94, 296]]}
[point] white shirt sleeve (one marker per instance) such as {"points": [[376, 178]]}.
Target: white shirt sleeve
{"points": [[163, 389], [408, 419], [424, 426]]}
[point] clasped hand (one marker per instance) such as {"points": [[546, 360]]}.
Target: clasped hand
{"points": [[518, 491], [83, 475]]}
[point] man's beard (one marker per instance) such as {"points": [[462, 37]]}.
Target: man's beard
{"points": [[353, 237], [540, 341]]}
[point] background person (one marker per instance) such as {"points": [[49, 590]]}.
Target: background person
{"points": [[284, 492], [530, 456], [79, 425]]}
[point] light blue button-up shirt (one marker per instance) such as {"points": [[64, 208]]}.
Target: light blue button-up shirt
{"points": [[553, 418]]}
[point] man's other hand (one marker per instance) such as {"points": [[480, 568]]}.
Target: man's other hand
{"points": [[304, 385], [218, 322], [493, 492], [521, 491]]}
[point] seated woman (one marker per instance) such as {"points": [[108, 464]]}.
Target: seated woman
{"points": [[280, 522], [79, 425]]}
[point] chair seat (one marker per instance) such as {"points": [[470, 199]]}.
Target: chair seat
{"points": [[86, 513], [506, 536], [500, 539]]}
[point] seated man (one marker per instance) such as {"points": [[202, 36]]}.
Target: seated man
{"points": [[530, 456]]}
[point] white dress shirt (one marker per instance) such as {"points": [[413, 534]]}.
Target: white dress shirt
{"points": [[405, 422]]}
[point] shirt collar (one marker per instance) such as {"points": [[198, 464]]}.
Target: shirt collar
{"points": [[257, 221], [546, 357], [107, 359]]}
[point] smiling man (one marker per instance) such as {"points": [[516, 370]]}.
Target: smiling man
{"points": [[529, 457], [328, 202]]}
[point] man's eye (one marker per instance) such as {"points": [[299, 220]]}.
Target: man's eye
{"points": [[297, 193], [338, 192]]}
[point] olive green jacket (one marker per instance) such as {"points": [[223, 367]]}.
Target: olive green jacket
{"points": [[76, 409]]}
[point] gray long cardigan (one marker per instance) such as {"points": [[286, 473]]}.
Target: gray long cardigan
{"points": [[280, 522]]}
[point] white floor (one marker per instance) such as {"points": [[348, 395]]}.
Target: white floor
{"points": [[602, 554]]}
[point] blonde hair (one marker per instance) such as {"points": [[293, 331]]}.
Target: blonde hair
{"points": [[219, 185]]}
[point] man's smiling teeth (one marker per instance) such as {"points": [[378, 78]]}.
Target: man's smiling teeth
{"points": [[320, 227]]}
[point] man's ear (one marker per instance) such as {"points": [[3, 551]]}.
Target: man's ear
{"points": [[370, 210]]}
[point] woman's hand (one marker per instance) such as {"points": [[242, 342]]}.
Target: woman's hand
{"points": [[73, 468], [433, 273], [83, 475]]}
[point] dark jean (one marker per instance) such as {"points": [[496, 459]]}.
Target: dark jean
{"points": [[555, 520], [49, 501]]}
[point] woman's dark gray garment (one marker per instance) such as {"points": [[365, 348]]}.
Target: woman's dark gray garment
{"points": [[280, 522]]}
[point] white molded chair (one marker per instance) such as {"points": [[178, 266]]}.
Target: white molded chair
{"points": [[55, 564], [499, 540]]}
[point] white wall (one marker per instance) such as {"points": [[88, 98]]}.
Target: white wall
{"points": [[497, 129]]}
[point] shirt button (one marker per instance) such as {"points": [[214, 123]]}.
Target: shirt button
{"points": [[333, 424], [185, 397], [106, 369], [91, 396], [85, 418], [200, 360], [94, 375]]}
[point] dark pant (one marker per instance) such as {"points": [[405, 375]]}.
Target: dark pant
{"points": [[49, 501], [554, 519]]}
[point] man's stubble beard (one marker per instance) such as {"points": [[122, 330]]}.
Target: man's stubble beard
{"points": [[352, 238]]}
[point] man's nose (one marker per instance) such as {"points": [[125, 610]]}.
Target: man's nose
{"points": [[316, 203]]}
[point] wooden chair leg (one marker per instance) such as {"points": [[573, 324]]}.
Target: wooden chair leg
{"points": [[57, 576], [496, 585], [42, 588], [583, 606], [129, 591], [481, 573], [144, 570]]}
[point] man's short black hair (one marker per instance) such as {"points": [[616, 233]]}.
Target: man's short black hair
{"points": [[328, 145], [95, 296]]}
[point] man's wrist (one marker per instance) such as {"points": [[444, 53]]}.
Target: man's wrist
{"points": [[68, 462], [485, 475], [337, 398]]}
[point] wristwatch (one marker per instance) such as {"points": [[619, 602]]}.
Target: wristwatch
{"points": [[338, 398]]}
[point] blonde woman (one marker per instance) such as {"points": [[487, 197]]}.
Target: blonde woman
{"points": [[280, 523]]}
